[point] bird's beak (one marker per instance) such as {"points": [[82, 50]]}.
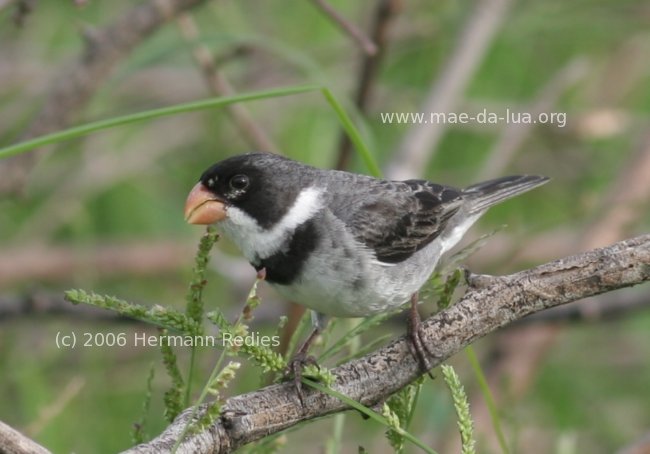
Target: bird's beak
{"points": [[203, 207]]}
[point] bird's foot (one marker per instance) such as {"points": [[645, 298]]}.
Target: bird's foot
{"points": [[294, 371], [415, 333], [299, 361]]}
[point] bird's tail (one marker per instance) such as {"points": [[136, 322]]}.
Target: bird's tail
{"points": [[483, 195]]}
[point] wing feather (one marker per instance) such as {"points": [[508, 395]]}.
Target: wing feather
{"points": [[396, 219]]}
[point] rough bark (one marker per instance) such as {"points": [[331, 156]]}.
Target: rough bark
{"points": [[489, 303], [14, 442]]}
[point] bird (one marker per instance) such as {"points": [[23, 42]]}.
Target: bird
{"points": [[340, 243]]}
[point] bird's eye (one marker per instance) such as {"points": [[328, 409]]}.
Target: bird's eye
{"points": [[239, 182]]}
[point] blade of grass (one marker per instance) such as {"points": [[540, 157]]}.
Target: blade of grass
{"points": [[333, 444], [81, 130], [366, 411], [203, 104], [353, 133], [489, 399]]}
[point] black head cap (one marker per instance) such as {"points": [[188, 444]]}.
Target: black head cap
{"points": [[263, 185]]}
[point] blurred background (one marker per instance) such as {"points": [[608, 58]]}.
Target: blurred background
{"points": [[104, 212]]}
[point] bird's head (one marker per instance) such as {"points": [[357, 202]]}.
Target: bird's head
{"points": [[261, 185]]}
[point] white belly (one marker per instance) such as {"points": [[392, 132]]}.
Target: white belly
{"points": [[346, 289]]}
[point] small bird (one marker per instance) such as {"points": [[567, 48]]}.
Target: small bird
{"points": [[340, 243]]}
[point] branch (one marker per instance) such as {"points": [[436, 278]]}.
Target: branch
{"points": [[619, 208], [13, 442], [219, 85], [490, 303], [368, 46], [605, 308]]}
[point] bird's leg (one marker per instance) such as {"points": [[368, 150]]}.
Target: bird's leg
{"points": [[300, 360], [418, 348]]}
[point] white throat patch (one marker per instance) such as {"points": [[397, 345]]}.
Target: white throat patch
{"points": [[256, 242]]}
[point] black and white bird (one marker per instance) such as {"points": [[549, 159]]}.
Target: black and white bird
{"points": [[339, 243]]}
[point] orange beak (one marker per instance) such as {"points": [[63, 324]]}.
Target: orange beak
{"points": [[203, 207]]}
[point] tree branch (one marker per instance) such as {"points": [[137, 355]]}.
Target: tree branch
{"points": [[368, 46], [490, 303], [13, 442], [219, 84], [605, 308]]}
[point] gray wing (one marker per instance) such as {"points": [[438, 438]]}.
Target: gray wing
{"points": [[396, 219]]}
